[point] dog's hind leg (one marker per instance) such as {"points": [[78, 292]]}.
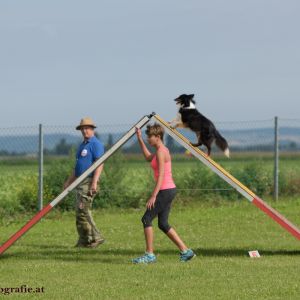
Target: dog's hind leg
{"points": [[208, 150], [199, 143], [208, 144]]}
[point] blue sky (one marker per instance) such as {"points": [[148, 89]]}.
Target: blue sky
{"points": [[119, 60]]}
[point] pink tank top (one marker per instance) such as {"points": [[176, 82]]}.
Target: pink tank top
{"points": [[168, 182]]}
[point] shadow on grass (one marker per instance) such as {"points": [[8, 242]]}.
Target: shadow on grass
{"points": [[234, 252], [121, 256]]}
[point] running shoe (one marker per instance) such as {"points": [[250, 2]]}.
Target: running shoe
{"points": [[145, 259], [187, 255]]}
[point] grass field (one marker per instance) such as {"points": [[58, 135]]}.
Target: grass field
{"points": [[221, 233]]}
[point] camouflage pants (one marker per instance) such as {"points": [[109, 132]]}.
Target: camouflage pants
{"points": [[85, 224]]}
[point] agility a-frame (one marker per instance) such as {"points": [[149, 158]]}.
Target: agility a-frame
{"points": [[60, 197], [248, 194]]}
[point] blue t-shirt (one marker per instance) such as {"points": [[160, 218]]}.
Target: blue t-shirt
{"points": [[87, 153]]}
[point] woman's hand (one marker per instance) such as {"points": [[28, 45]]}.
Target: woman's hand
{"points": [[151, 202], [138, 132]]}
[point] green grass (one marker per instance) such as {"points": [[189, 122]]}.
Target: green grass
{"points": [[220, 232]]}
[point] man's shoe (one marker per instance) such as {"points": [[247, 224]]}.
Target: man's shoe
{"points": [[145, 259], [96, 243], [187, 255]]}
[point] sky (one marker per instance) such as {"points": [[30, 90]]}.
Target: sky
{"points": [[116, 61]]}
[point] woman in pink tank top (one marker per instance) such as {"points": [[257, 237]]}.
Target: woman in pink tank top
{"points": [[159, 204]]}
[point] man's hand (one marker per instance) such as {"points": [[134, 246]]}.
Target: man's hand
{"points": [[151, 202], [93, 189]]}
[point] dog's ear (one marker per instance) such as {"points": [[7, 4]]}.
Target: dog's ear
{"points": [[191, 96]]}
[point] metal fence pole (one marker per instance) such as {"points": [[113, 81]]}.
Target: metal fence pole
{"points": [[276, 159], [41, 168]]}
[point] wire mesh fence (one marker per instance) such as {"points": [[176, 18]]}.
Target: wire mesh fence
{"points": [[251, 136], [289, 133], [249, 141]]}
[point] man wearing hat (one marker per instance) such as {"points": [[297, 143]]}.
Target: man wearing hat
{"points": [[89, 151]]}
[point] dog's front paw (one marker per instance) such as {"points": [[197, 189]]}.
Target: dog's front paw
{"points": [[172, 125]]}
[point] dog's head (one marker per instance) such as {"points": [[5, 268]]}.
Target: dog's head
{"points": [[185, 101]]}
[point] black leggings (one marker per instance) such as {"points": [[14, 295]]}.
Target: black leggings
{"points": [[161, 209]]}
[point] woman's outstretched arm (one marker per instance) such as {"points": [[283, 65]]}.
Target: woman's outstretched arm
{"points": [[147, 154]]}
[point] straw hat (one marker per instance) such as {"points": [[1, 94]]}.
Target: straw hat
{"points": [[86, 122]]}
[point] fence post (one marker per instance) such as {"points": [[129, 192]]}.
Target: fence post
{"points": [[41, 168], [276, 159]]}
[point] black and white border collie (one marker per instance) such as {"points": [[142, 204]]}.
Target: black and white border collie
{"points": [[189, 117]]}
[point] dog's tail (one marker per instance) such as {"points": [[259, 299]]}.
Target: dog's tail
{"points": [[222, 143]]}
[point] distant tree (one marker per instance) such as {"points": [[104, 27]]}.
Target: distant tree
{"points": [[97, 135], [173, 147], [4, 153], [110, 141], [170, 142], [62, 148], [133, 148], [293, 146]]}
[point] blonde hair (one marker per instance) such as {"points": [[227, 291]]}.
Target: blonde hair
{"points": [[155, 130]]}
